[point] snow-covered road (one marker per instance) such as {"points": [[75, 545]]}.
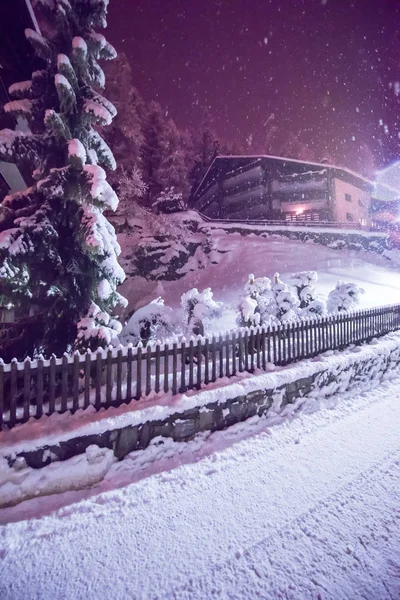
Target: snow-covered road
{"points": [[306, 509]]}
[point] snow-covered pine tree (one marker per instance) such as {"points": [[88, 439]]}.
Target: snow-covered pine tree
{"points": [[58, 252]]}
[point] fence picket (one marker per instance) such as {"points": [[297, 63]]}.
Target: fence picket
{"points": [[240, 351], [191, 368], [39, 388], [129, 367], [109, 369], [199, 360], [27, 388], [148, 369], [139, 373], [99, 373], [221, 355], [158, 368], [1, 393], [75, 383], [206, 365], [234, 355], [166, 365], [175, 368], [13, 391], [88, 365], [64, 383], [183, 367]]}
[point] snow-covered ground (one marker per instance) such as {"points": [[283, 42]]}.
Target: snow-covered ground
{"points": [[303, 510], [261, 256]]}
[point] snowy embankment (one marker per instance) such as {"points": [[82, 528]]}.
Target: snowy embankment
{"points": [[305, 510], [315, 382], [235, 256]]}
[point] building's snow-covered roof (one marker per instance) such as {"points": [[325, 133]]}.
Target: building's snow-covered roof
{"points": [[283, 159], [298, 161]]}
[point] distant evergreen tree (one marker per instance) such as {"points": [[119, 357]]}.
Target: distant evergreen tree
{"points": [[153, 150], [206, 147], [58, 253]]}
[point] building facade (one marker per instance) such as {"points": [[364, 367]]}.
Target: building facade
{"points": [[282, 189]]}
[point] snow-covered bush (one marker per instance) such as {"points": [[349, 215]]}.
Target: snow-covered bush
{"points": [[255, 305], [249, 316], [305, 284], [152, 322], [169, 201], [197, 306], [345, 297], [285, 305], [97, 329]]}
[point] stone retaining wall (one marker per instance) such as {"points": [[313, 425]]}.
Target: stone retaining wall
{"points": [[352, 371]]}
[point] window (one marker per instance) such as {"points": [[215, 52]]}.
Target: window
{"points": [[349, 217], [361, 203], [347, 197]]}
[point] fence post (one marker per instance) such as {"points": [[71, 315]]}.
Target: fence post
{"points": [[227, 356]]}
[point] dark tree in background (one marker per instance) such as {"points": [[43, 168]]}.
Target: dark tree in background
{"points": [[58, 252]]}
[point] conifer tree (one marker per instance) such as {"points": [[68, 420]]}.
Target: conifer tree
{"points": [[58, 252]]}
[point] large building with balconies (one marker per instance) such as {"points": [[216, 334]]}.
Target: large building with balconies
{"points": [[282, 189]]}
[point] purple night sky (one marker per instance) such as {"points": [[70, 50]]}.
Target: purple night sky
{"points": [[326, 69]]}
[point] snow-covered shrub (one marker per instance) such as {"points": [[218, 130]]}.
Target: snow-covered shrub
{"points": [[305, 283], [316, 308], [169, 201], [285, 306], [254, 306], [152, 322], [248, 314], [196, 307], [257, 286], [345, 297], [337, 245], [97, 329]]}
